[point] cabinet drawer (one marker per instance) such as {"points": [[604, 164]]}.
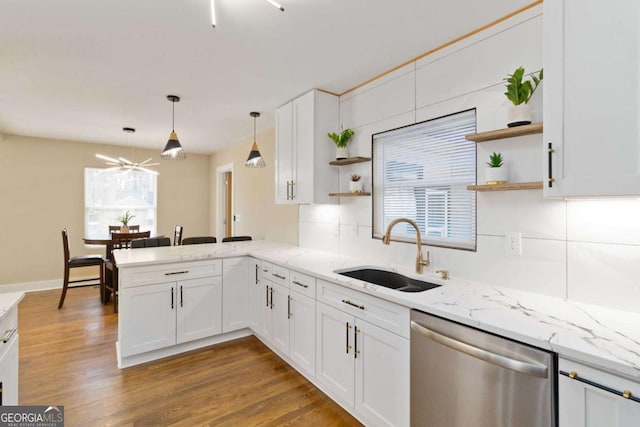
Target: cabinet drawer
{"points": [[387, 315], [8, 327], [141, 276], [302, 283], [279, 275]]}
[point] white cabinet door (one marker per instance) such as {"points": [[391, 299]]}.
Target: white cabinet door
{"points": [[584, 405], [335, 367], [147, 318], [303, 151], [280, 318], [199, 313], [9, 372], [303, 147], [302, 332], [256, 296], [382, 375], [592, 97], [284, 163], [266, 328], [235, 291]]}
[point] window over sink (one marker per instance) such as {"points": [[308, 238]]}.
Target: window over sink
{"points": [[421, 172], [109, 193]]}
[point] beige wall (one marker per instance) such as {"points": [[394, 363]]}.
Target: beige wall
{"points": [[254, 192], [42, 191]]}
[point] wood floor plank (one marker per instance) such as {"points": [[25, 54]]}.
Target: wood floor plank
{"points": [[67, 357]]}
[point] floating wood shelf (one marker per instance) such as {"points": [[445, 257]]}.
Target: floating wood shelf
{"points": [[349, 194], [508, 186], [505, 133], [350, 161]]}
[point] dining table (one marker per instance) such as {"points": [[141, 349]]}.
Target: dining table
{"points": [[108, 241]]}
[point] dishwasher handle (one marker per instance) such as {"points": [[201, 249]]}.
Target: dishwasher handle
{"points": [[485, 355]]}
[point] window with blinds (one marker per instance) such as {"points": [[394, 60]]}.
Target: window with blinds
{"points": [[421, 172]]}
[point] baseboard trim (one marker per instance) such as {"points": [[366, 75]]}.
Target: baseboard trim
{"points": [[42, 285]]}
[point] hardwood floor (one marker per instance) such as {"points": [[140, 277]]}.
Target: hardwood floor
{"points": [[67, 357]]}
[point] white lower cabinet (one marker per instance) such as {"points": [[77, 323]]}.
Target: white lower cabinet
{"points": [[235, 293], [583, 402], [279, 302], [256, 295], [363, 365], [156, 316], [302, 332], [9, 370]]}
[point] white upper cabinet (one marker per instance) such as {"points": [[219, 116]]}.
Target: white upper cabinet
{"points": [[303, 150], [591, 97]]}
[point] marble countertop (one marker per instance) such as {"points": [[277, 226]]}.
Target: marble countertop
{"points": [[595, 335], [9, 300]]}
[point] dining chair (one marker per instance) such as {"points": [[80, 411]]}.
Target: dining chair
{"points": [[236, 239], [177, 235], [79, 261], [150, 242], [119, 241], [199, 240]]}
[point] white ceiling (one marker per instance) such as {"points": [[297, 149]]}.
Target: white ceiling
{"points": [[82, 69]]}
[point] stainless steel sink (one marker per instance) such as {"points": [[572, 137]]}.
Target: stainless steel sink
{"points": [[388, 279]]}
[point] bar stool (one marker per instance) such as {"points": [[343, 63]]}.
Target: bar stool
{"points": [[79, 261], [236, 239], [198, 240]]}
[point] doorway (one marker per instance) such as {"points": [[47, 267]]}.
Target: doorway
{"points": [[225, 219]]}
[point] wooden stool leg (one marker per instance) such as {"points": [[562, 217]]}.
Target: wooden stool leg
{"points": [[65, 285], [102, 284]]}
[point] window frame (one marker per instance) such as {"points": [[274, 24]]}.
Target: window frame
{"points": [[426, 240]]}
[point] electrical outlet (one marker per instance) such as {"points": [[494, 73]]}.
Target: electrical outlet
{"points": [[513, 243]]}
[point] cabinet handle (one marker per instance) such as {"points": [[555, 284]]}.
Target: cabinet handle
{"points": [[278, 276], [289, 307], [288, 190], [181, 300], [271, 303], [295, 282], [550, 152], [266, 287], [8, 334], [346, 301], [257, 273], [172, 298], [356, 352], [176, 272], [292, 195], [626, 394], [348, 346]]}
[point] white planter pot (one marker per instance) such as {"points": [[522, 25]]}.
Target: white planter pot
{"points": [[519, 115], [342, 153], [355, 186], [495, 176]]}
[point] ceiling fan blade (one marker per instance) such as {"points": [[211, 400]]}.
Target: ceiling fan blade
{"points": [[147, 170], [125, 161]]}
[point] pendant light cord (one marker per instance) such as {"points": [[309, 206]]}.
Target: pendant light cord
{"points": [[173, 115], [254, 129]]}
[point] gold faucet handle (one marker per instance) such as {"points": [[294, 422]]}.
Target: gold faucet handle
{"points": [[443, 274]]}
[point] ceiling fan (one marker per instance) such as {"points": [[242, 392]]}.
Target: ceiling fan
{"points": [[213, 10], [127, 165]]}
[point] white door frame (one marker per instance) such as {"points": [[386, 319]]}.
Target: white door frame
{"points": [[220, 199]]}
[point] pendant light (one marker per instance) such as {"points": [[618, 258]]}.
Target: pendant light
{"points": [[255, 159], [127, 165], [173, 150], [212, 9]]}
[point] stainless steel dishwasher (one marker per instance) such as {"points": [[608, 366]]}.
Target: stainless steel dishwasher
{"points": [[463, 377]]}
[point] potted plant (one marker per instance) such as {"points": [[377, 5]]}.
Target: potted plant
{"points": [[341, 141], [124, 219], [519, 92], [497, 172], [355, 185]]}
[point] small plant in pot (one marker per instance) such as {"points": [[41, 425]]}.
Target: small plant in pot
{"points": [[124, 220], [496, 172], [519, 92], [341, 139], [355, 185]]}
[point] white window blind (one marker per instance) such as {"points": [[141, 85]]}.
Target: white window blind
{"points": [[109, 193], [421, 172]]}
